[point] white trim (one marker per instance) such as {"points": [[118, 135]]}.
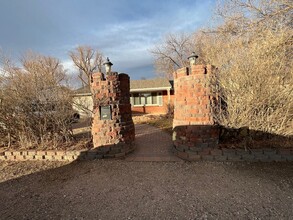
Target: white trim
{"points": [[147, 105], [82, 94], [159, 96], [150, 89], [169, 96], [132, 90]]}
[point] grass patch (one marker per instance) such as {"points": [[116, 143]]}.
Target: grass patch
{"points": [[163, 123]]}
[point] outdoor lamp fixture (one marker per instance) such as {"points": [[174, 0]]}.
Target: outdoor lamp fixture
{"points": [[108, 65], [192, 58]]}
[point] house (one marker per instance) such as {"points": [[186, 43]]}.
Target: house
{"points": [[83, 102], [152, 96]]}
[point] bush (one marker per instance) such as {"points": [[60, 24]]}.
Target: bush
{"points": [[170, 110], [35, 108], [252, 49]]}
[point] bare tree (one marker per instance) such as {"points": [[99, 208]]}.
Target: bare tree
{"points": [[172, 53], [87, 60]]}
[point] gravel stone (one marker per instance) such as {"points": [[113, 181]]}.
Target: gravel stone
{"points": [[119, 189]]}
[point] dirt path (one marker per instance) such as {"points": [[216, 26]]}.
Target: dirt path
{"points": [[152, 144], [117, 189], [124, 189]]}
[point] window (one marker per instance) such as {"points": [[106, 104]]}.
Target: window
{"points": [[153, 98], [136, 98]]}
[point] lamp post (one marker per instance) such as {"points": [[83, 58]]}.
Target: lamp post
{"points": [[108, 65], [192, 58]]}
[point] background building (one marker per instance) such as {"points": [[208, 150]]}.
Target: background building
{"points": [[150, 96]]}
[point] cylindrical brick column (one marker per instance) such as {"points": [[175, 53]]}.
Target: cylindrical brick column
{"points": [[112, 126], [194, 130]]}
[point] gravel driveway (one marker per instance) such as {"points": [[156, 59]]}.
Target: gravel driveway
{"points": [[118, 189]]}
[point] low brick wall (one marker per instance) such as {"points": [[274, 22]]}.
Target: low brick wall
{"points": [[50, 155], [193, 154], [253, 155], [40, 155]]}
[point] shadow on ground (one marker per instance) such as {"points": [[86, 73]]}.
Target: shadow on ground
{"points": [[112, 189], [119, 189]]}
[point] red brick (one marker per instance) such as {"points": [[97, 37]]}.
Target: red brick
{"points": [[182, 155], [60, 153], [120, 155], [31, 152], [41, 153], [16, 153], [58, 157], [194, 157], [20, 158], [39, 157], [68, 157], [50, 153], [216, 152], [10, 157], [8, 153]]}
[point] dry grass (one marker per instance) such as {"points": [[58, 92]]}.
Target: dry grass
{"points": [[160, 121]]}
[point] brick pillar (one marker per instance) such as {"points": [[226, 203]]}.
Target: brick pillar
{"points": [[194, 130], [112, 127]]}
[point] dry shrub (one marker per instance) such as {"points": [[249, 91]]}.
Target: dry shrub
{"points": [[170, 110], [35, 108], [252, 49]]}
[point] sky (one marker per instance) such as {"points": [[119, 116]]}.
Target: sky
{"points": [[123, 30]]}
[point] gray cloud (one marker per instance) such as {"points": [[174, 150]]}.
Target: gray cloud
{"points": [[124, 30]]}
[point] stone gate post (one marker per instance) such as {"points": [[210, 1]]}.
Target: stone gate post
{"points": [[112, 126], [194, 130]]}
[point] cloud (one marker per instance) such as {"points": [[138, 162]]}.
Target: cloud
{"points": [[128, 42], [124, 30], [69, 66]]}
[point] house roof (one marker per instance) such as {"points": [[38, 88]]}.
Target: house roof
{"points": [[150, 84], [138, 85], [83, 90]]}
